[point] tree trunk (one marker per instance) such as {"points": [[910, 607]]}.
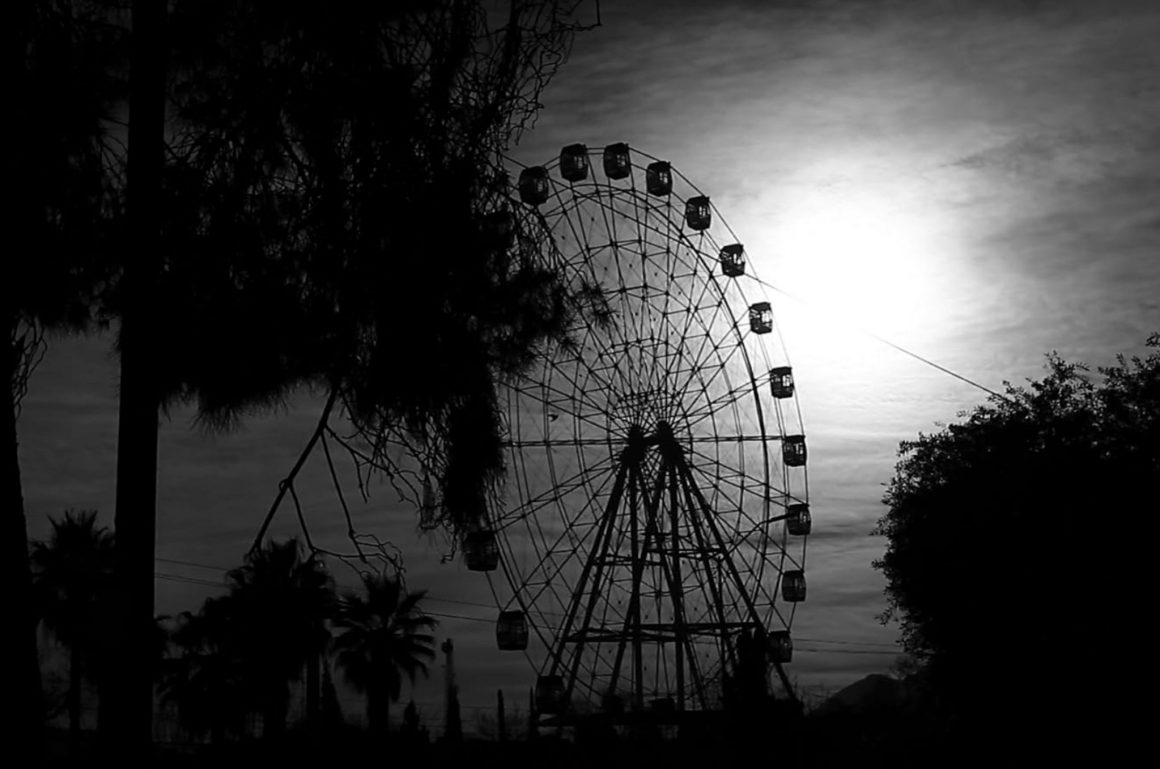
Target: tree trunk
{"points": [[378, 713], [453, 727], [313, 698], [20, 648], [275, 712], [75, 682], [331, 709], [129, 690]]}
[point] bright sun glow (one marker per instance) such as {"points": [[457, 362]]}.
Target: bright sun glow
{"points": [[861, 264]]}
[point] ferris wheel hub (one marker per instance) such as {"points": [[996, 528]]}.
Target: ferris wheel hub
{"points": [[639, 442], [659, 510]]}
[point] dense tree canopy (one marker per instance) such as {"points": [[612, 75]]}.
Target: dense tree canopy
{"points": [[314, 196], [339, 218], [1010, 561], [63, 73]]}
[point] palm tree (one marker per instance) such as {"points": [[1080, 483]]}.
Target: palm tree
{"points": [[281, 600], [259, 256], [207, 679], [59, 89], [383, 639], [72, 571]]}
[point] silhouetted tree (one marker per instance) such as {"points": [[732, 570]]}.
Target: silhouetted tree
{"points": [[747, 685], [325, 220], [381, 638], [207, 676], [280, 600], [452, 720], [330, 709], [72, 573], [240, 652], [1002, 542], [62, 79], [350, 230]]}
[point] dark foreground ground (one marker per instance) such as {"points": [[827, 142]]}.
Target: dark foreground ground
{"points": [[864, 742]]}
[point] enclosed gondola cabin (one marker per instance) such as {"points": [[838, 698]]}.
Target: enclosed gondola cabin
{"points": [[733, 260], [550, 695], [658, 178], [793, 450], [698, 215], [574, 163], [480, 550], [511, 631], [781, 381], [780, 646], [797, 519], [793, 586], [533, 185], [617, 164], [761, 318]]}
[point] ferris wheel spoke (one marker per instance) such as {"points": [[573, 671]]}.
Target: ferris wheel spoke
{"points": [[712, 359], [744, 438], [726, 400], [557, 407], [610, 228], [674, 584], [570, 525], [708, 293], [548, 443], [684, 339], [550, 582], [640, 288], [549, 496], [549, 499], [593, 560], [625, 311], [646, 588], [711, 576], [585, 246], [711, 524], [753, 524], [759, 586]]}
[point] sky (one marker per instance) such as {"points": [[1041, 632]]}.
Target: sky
{"points": [[976, 182]]}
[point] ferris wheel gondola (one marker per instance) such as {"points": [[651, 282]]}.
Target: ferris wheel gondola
{"points": [[657, 510]]}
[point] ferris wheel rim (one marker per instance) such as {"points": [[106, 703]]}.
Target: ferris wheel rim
{"points": [[518, 446]]}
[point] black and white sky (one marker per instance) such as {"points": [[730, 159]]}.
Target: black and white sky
{"points": [[977, 181]]}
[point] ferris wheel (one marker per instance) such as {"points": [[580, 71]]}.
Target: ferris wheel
{"points": [[652, 532]]}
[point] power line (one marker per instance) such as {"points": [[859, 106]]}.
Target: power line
{"points": [[812, 650], [467, 618], [188, 580], [849, 643], [191, 563], [888, 343]]}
